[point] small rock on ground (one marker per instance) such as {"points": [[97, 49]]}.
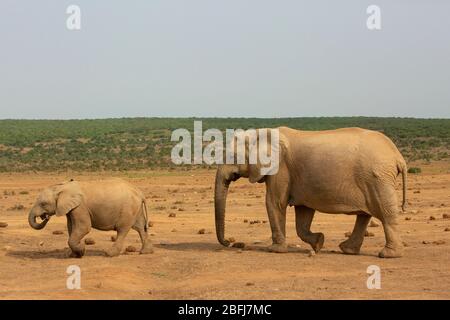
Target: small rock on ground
{"points": [[131, 249], [89, 241], [238, 245]]}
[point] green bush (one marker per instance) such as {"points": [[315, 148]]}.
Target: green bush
{"points": [[139, 143], [414, 170]]}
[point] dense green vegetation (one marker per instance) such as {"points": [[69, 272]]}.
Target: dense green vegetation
{"points": [[139, 143]]}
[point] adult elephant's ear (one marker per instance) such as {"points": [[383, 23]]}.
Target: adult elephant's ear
{"points": [[267, 147], [68, 199]]}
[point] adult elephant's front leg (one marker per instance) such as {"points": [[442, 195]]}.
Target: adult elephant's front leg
{"points": [[276, 204], [303, 220]]}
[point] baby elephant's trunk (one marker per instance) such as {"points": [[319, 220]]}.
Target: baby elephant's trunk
{"points": [[32, 219]]}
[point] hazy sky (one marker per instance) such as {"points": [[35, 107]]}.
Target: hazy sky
{"points": [[261, 58]]}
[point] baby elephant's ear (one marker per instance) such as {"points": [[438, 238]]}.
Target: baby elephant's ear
{"points": [[67, 200]]}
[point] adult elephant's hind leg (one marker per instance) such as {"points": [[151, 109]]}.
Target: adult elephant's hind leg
{"points": [[353, 244], [394, 246], [386, 209], [303, 220]]}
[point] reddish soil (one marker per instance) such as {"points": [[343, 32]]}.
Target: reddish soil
{"points": [[192, 265]]}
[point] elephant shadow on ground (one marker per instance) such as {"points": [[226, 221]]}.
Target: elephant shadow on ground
{"points": [[213, 247], [200, 246], [292, 249], [51, 254], [189, 246], [306, 251]]}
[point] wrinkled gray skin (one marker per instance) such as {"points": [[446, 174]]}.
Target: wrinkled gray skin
{"points": [[104, 205], [349, 170]]}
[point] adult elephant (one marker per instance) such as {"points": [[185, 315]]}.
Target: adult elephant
{"points": [[348, 170]]}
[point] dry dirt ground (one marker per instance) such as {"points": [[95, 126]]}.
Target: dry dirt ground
{"points": [[189, 265]]}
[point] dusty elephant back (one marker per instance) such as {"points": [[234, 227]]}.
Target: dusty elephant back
{"points": [[335, 168], [110, 190], [112, 184], [348, 145]]}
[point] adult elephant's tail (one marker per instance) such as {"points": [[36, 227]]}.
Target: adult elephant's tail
{"points": [[402, 168], [144, 209]]}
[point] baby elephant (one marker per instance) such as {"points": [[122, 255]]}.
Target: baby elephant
{"points": [[105, 205]]}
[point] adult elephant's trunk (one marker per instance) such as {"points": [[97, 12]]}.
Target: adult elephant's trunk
{"points": [[224, 177], [34, 213]]}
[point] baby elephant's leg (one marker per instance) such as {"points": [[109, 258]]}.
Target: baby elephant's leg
{"points": [[116, 249], [79, 227], [75, 244], [141, 227]]}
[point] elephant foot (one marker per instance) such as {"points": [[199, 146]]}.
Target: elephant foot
{"points": [[76, 254], [349, 247], [77, 250], [318, 244], [113, 252], [278, 248], [390, 253], [147, 250]]}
